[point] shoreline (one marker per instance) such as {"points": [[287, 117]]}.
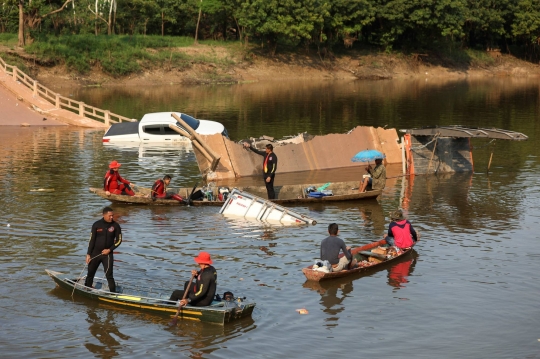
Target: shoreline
{"points": [[238, 70], [224, 66]]}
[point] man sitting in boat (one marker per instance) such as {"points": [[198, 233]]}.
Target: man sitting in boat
{"points": [[114, 183], [330, 247], [401, 233], [377, 176], [202, 292], [159, 190]]}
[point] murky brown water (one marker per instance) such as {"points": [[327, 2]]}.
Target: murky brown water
{"points": [[470, 289]]}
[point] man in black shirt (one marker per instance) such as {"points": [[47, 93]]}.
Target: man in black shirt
{"points": [[106, 236], [330, 247], [269, 167], [202, 292]]}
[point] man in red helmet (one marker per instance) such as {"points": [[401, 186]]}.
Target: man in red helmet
{"points": [[114, 183], [202, 292], [159, 190]]}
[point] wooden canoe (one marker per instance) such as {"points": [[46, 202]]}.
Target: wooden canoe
{"points": [[362, 251], [153, 300], [142, 196], [287, 194]]}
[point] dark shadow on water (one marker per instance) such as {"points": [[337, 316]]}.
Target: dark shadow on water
{"points": [[101, 325]]}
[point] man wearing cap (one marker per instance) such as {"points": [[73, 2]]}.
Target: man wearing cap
{"points": [[114, 183], [203, 291], [159, 190], [377, 178], [400, 231]]}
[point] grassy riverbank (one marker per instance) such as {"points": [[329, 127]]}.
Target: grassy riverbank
{"points": [[99, 60]]}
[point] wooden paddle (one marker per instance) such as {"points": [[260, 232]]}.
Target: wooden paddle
{"points": [[174, 320]]}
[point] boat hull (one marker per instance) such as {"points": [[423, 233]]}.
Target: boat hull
{"points": [[219, 314], [315, 275], [287, 194]]}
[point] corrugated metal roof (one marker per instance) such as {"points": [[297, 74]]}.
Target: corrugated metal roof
{"points": [[470, 132]]}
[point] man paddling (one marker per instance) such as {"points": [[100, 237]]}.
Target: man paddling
{"points": [[330, 248], [203, 291], [400, 231]]}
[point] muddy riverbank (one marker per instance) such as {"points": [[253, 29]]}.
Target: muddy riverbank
{"points": [[224, 65]]}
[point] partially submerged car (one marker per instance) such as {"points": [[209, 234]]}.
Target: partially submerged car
{"points": [[154, 127]]}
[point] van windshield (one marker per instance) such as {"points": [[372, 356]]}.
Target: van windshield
{"points": [[192, 122]]}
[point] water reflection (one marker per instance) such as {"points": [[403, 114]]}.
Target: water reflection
{"points": [[103, 327], [398, 273], [372, 217], [333, 293], [201, 339]]}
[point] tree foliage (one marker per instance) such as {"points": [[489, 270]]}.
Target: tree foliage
{"points": [[389, 24]]}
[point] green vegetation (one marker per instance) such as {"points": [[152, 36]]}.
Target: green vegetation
{"points": [[116, 35], [116, 55]]}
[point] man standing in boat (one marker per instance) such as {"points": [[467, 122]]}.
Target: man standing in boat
{"points": [[400, 231], [269, 167], [377, 178], [159, 190], [105, 237], [114, 183], [330, 248], [202, 292]]}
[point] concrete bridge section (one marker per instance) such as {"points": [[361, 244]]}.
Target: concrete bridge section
{"points": [[320, 153], [14, 112]]}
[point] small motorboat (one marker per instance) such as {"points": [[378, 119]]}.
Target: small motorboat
{"points": [[133, 296]]}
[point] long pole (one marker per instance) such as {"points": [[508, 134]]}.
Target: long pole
{"points": [[490, 158]]}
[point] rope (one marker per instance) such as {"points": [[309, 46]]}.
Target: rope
{"points": [[423, 146], [79, 277]]}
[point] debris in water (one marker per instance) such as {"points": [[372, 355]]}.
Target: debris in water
{"points": [[302, 311]]}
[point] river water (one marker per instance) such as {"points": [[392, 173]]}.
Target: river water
{"points": [[469, 290]]}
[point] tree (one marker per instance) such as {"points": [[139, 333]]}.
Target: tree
{"points": [[33, 12], [526, 22]]}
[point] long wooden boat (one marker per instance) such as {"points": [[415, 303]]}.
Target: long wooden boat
{"points": [[142, 196], [364, 252], [286, 194], [153, 300]]}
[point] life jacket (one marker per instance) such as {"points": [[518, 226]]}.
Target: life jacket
{"points": [[110, 182], [158, 189]]}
